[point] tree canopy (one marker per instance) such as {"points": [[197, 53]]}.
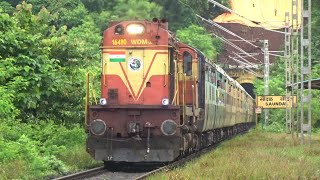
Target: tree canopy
{"points": [[198, 37]]}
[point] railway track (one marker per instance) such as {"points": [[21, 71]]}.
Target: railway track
{"points": [[102, 173], [83, 174]]}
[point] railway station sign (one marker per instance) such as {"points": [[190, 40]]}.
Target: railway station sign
{"points": [[276, 102]]}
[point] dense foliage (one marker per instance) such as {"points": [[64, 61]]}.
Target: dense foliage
{"points": [[198, 37]]}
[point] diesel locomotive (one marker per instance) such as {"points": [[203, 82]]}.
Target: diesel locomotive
{"points": [[160, 98]]}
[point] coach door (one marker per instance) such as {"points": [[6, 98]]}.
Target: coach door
{"points": [[134, 75]]}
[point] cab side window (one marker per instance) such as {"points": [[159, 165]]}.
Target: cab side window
{"points": [[187, 63]]}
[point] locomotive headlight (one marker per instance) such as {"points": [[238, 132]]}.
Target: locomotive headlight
{"points": [[103, 101], [165, 101], [168, 127], [135, 29], [98, 127]]}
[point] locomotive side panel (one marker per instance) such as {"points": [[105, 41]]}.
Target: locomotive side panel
{"points": [[188, 66]]}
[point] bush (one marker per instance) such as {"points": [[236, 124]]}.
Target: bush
{"points": [[275, 127], [43, 148]]}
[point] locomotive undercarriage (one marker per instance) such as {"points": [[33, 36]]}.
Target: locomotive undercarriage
{"points": [[161, 149], [150, 145], [135, 133]]}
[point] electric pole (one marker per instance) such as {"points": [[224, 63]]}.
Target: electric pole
{"points": [[305, 65], [266, 78]]}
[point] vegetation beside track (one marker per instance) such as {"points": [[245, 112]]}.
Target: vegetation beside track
{"points": [[35, 151], [256, 155]]}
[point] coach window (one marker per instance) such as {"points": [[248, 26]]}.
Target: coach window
{"points": [[187, 63]]}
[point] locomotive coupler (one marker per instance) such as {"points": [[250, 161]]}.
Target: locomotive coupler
{"points": [[134, 130]]}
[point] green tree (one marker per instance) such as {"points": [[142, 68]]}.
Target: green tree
{"points": [[97, 6], [6, 7], [68, 13], [136, 9], [22, 53], [44, 66], [198, 37], [179, 14], [315, 33]]}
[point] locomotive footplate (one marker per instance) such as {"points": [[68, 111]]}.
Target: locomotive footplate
{"points": [[161, 149]]}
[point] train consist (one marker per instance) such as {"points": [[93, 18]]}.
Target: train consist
{"points": [[160, 98]]}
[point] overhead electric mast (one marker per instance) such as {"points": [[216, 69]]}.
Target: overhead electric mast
{"points": [[305, 74]]}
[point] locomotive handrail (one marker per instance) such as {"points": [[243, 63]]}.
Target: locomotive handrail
{"points": [[176, 96], [88, 95], [196, 92], [175, 99], [193, 96], [184, 97], [92, 90], [103, 74], [177, 82], [165, 73]]}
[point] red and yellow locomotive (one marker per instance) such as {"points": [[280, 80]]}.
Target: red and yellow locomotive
{"points": [[160, 98]]}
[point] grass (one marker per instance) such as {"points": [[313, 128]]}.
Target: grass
{"points": [[42, 151], [256, 155], [13, 170], [71, 160], [74, 160], [78, 159]]}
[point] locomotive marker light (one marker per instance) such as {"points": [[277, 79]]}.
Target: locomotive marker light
{"points": [[103, 101], [165, 101], [118, 30], [98, 127], [135, 29], [169, 127]]}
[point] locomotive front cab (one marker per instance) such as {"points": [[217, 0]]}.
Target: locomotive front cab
{"points": [[136, 121], [135, 63]]}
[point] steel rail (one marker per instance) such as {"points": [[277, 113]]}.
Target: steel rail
{"points": [[83, 174]]}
